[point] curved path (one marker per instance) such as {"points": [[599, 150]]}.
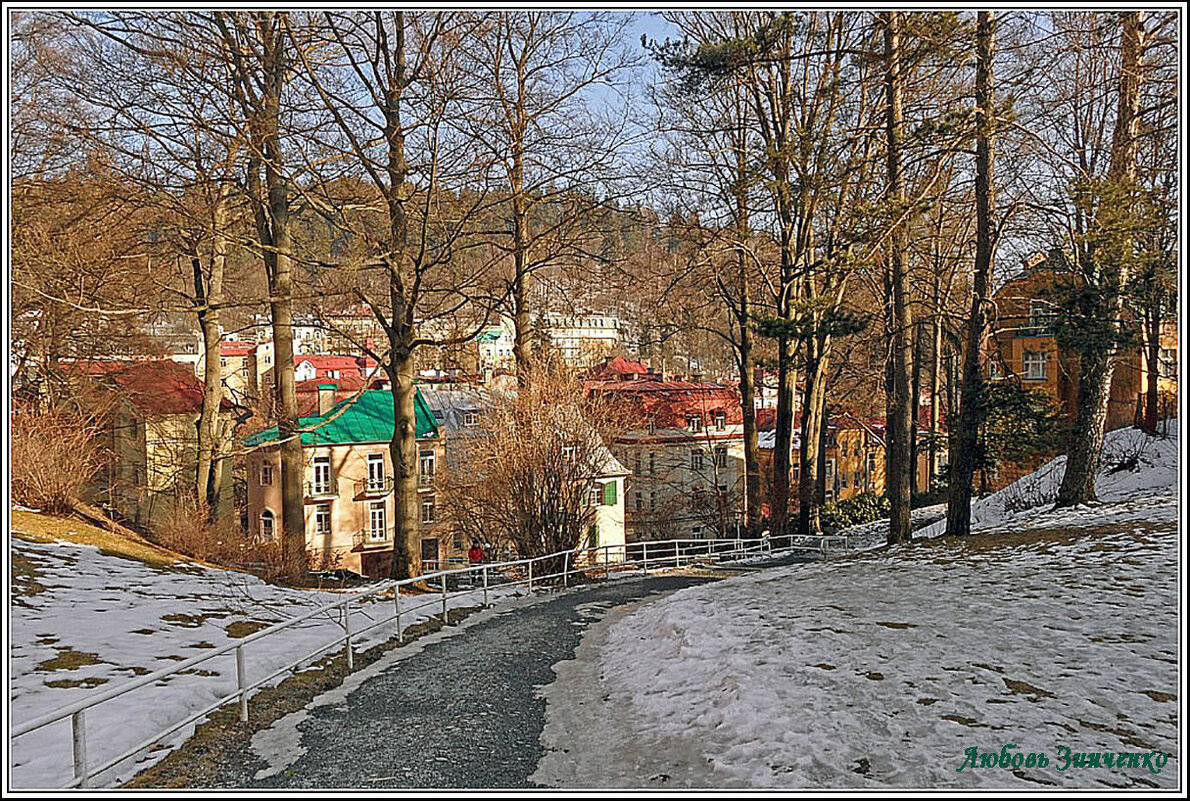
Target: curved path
{"points": [[464, 711]]}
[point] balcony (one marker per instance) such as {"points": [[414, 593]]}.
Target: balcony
{"points": [[372, 488], [321, 492], [367, 539]]}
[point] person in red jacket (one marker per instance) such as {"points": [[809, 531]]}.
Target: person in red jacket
{"points": [[475, 555]]}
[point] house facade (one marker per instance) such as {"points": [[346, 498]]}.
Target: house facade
{"points": [[854, 455], [684, 455], [151, 437], [1023, 347], [348, 487]]}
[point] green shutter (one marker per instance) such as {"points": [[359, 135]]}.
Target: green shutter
{"points": [[593, 536], [609, 493]]}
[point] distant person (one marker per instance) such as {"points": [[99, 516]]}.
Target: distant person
{"points": [[475, 555]]}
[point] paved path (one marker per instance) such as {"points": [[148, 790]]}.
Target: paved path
{"points": [[462, 713]]}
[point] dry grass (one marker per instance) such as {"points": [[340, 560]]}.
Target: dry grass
{"points": [[40, 527]]}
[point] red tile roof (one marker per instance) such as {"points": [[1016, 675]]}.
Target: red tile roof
{"points": [[236, 348], [621, 369], [159, 386], [667, 403]]}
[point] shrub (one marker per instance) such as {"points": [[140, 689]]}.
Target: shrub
{"points": [[854, 511], [55, 454]]}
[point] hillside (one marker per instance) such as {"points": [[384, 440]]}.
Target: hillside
{"points": [[91, 609]]}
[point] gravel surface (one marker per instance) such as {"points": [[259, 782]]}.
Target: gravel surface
{"points": [[463, 712]]}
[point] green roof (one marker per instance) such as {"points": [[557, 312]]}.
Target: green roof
{"points": [[491, 335], [368, 418]]}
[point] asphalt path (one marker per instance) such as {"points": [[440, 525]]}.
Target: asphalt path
{"points": [[462, 712]]}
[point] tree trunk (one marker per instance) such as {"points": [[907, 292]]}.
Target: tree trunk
{"points": [[1153, 365], [208, 292], [813, 425], [747, 361], [273, 225], [1097, 363], [915, 413], [935, 386], [403, 450], [400, 329], [898, 407], [962, 463]]}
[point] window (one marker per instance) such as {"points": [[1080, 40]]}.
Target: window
{"points": [[322, 474], [994, 369], [720, 419], [377, 520], [1034, 365], [843, 479], [322, 519], [795, 469], [720, 456], [595, 494], [696, 532], [427, 510], [593, 535], [1167, 363], [652, 462], [652, 499], [640, 500], [609, 493], [1040, 315], [694, 422], [266, 475], [696, 459], [470, 418], [871, 464], [426, 464], [268, 526], [375, 471], [855, 479], [636, 465]]}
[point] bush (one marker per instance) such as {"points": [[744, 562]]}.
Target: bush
{"points": [[55, 454], [854, 511]]}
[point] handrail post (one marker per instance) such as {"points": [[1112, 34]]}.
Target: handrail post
{"points": [[566, 569], [397, 603], [79, 742], [485, 585], [242, 683], [644, 557], [347, 628], [445, 611], [530, 575]]}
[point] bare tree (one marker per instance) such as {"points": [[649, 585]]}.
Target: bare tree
{"points": [[529, 476]]}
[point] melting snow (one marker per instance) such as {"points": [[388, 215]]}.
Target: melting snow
{"points": [[136, 619], [882, 668]]}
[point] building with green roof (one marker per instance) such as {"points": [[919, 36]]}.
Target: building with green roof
{"points": [[347, 482]]}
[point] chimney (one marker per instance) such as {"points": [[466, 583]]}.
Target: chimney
{"points": [[326, 397]]}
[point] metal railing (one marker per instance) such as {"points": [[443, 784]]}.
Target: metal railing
{"points": [[366, 538], [315, 491], [551, 570], [369, 487]]}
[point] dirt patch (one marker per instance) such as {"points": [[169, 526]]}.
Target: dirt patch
{"points": [[196, 762], [24, 571], [68, 659], [192, 621], [242, 628]]}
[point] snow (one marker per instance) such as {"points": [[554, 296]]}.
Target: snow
{"points": [[138, 619], [1146, 492], [880, 669]]}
